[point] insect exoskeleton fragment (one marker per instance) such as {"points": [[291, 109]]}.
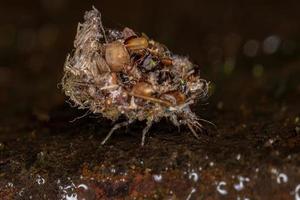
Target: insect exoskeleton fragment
{"points": [[143, 89], [138, 43], [175, 98], [116, 56]]}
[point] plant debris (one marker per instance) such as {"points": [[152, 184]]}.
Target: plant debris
{"points": [[116, 73]]}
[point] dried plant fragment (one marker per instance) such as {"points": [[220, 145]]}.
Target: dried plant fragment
{"points": [[116, 73]]}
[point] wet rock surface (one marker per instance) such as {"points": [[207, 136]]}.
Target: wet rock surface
{"points": [[249, 53], [254, 154]]}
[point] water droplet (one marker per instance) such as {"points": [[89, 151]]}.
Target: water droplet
{"points": [[10, 184], [274, 171], [240, 186], [190, 194], [21, 192], [194, 176], [282, 178], [40, 180], [157, 177], [85, 187], [113, 170], [221, 189], [73, 196]]}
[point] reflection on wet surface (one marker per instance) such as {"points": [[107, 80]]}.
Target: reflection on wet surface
{"points": [[251, 58], [107, 182]]}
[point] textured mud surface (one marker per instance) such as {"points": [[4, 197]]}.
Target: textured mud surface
{"points": [[254, 154]]}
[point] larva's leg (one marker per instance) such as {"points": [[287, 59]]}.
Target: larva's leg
{"points": [[145, 131], [193, 131], [116, 126], [175, 121]]}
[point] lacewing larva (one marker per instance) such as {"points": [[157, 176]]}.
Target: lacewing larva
{"points": [[114, 73]]}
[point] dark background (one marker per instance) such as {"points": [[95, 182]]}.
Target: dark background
{"points": [[249, 50], [35, 37]]}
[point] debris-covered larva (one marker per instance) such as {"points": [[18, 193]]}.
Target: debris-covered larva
{"points": [[116, 73]]}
